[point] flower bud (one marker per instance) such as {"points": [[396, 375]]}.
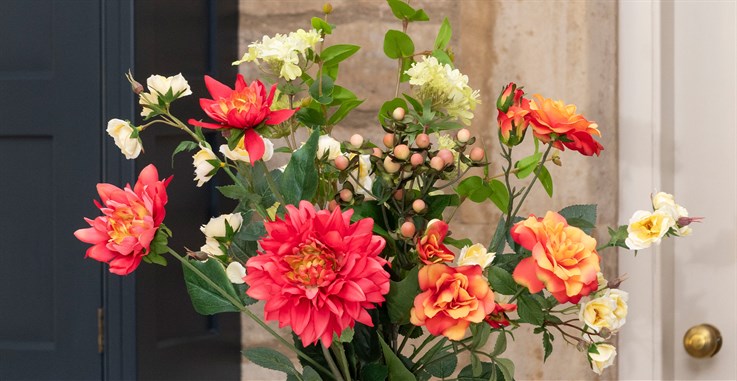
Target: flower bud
{"points": [[464, 135], [356, 140], [401, 152], [327, 8], [390, 166], [136, 87], [477, 154], [389, 140], [582, 345], [446, 155], [418, 206], [377, 152], [341, 162], [398, 113], [408, 229], [346, 195], [416, 159], [332, 205], [556, 159], [398, 194], [305, 102], [422, 141], [605, 333], [506, 98], [437, 163]]}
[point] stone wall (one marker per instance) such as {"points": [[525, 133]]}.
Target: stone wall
{"points": [[561, 49]]}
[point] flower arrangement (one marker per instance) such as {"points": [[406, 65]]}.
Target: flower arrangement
{"points": [[349, 245]]}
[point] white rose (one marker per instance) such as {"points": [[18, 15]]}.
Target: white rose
{"points": [[216, 226], [646, 228], [161, 85], [203, 170], [239, 153], [620, 299], [662, 199], [147, 99], [327, 144], [235, 272], [212, 247], [362, 173], [475, 255], [121, 132], [598, 313], [603, 359], [601, 280]]}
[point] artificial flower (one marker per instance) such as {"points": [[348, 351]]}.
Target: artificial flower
{"points": [[430, 247], [446, 88], [318, 272], [326, 145], [498, 317], [170, 88], [204, 167], [244, 108], [281, 54], [452, 298], [363, 174], [620, 297], [598, 313], [475, 254], [126, 137], [216, 228], [235, 272], [513, 110], [666, 202], [647, 228], [604, 358], [122, 236], [564, 259], [239, 153], [549, 117]]}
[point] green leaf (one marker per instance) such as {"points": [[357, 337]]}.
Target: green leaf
{"points": [[527, 165], [444, 35], [322, 25], [388, 108], [366, 342], [529, 310], [474, 188], [502, 282], [324, 95], [333, 55], [311, 117], [236, 135], [480, 333], [397, 370], [299, 181], [436, 204], [507, 368], [185, 145], [206, 300], [459, 243], [442, 367], [241, 290], [420, 15], [345, 108], [547, 345], [583, 215], [406, 65], [234, 192], [546, 180], [345, 337], [618, 236], [442, 57], [270, 359], [499, 195], [374, 372], [497, 242], [309, 374], [401, 297], [500, 345], [398, 44]]}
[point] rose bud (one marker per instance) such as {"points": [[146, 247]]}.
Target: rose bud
{"points": [[346, 195], [437, 163], [401, 152], [389, 140], [506, 97], [377, 152], [398, 114], [327, 8], [464, 135], [408, 229], [332, 205], [422, 141], [399, 194], [418, 206], [477, 154], [416, 159], [341, 162], [390, 166], [446, 155], [356, 140]]}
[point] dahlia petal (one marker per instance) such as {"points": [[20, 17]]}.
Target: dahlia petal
{"points": [[254, 145], [91, 235], [217, 89], [212, 109], [365, 319], [351, 292], [320, 320], [525, 275], [100, 253], [149, 175], [279, 116], [212, 126], [124, 265]]}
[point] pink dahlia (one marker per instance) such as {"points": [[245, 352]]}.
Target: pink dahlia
{"points": [[318, 272], [122, 236]]}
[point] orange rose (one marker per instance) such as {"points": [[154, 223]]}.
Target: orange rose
{"points": [[513, 114], [564, 258], [430, 246], [550, 117], [453, 298]]}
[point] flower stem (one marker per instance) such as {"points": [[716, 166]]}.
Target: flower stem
{"points": [[406, 337], [339, 351], [272, 184], [532, 182], [333, 368], [517, 294]]}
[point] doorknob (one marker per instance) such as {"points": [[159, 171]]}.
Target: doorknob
{"points": [[703, 340]]}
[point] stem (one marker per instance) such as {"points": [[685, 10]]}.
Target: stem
{"points": [[246, 311], [337, 348], [406, 337], [517, 294], [405, 23], [259, 208], [329, 358], [272, 185], [173, 121], [532, 182], [428, 340], [429, 355]]}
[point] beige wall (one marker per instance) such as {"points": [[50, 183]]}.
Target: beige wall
{"points": [[564, 50]]}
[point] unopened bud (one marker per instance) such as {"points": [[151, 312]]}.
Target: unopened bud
{"points": [[305, 102], [341, 162], [437, 163], [556, 159], [605, 333], [416, 159], [390, 166], [327, 8], [408, 229], [198, 255], [582, 345], [464, 135], [389, 140], [356, 140], [136, 87], [477, 154], [418, 206], [346, 195], [685, 221], [422, 141], [401, 152], [398, 113]]}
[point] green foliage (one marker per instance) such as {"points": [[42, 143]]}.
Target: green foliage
{"points": [[332, 55], [366, 342], [321, 91], [547, 344], [374, 372], [244, 243], [398, 44], [309, 374], [442, 57], [185, 145], [618, 237], [527, 165], [270, 359], [444, 35], [580, 216], [401, 296], [500, 345], [206, 299], [506, 366], [321, 25], [529, 310], [436, 204], [546, 180], [404, 11], [499, 195], [345, 108], [484, 372], [397, 370], [474, 188], [442, 364], [501, 281], [388, 107], [299, 181], [159, 246]]}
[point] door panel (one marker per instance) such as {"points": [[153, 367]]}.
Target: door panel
{"points": [[50, 123]]}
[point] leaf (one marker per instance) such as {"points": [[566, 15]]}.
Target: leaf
{"points": [[270, 359], [185, 145], [309, 374], [420, 15], [584, 215], [618, 236], [437, 204], [333, 55], [397, 370], [444, 35], [480, 333], [459, 243], [311, 117], [398, 44], [241, 290], [322, 95], [401, 297], [206, 300], [444, 367], [442, 57], [547, 345], [527, 165], [345, 108], [299, 181], [497, 242], [529, 310], [388, 108], [400, 9], [366, 342], [322, 25], [500, 345], [507, 368], [474, 188], [501, 281], [314, 352], [374, 372], [546, 180], [499, 195], [234, 192]]}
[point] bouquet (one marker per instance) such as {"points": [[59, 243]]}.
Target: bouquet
{"points": [[350, 244]]}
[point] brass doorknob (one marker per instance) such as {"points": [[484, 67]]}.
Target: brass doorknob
{"points": [[703, 340]]}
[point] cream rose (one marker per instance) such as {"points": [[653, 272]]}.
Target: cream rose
{"points": [[620, 312], [239, 153], [647, 228], [203, 170], [215, 228], [122, 132], [362, 173], [598, 313], [236, 272], [603, 359], [475, 255], [326, 144], [161, 85]]}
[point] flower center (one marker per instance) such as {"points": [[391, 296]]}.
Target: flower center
{"points": [[243, 101], [312, 264], [125, 221]]}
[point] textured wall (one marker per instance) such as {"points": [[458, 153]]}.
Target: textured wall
{"points": [[563, 50]]}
